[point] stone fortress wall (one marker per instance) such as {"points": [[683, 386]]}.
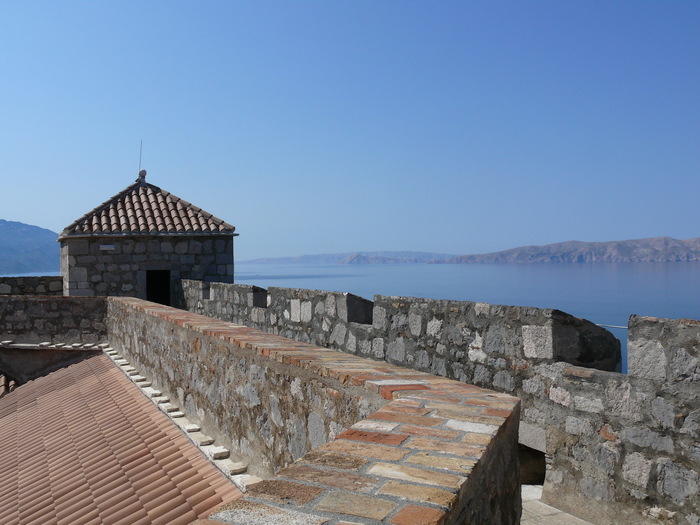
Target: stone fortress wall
{"points": [[31, 285], [372, 441], [619, 448]]}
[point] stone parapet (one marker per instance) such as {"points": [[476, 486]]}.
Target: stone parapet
{"points": [[35, 319], [39, 285], [619, 448], [348, 439]]}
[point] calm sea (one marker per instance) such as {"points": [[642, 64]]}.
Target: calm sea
{"points": [[604, 293]]}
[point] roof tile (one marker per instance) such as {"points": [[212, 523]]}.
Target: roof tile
{"points": [[145, 209], [121, 461]]}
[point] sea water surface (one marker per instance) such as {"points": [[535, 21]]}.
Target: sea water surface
{"points": [[604, 293]]}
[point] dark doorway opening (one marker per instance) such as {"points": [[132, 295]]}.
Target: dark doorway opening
{"points": [[158, 286], [532, 466]]}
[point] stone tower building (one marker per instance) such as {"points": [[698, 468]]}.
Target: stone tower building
{"points": [[141, 243]]}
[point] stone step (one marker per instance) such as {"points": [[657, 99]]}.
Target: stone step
{"points": [[186, 425], [161, 399], [229, 467], [177, 413], [151, 392], [121, 361], [243, 481], [168, 407], [201, 440], [216, 452], [138, 378]]}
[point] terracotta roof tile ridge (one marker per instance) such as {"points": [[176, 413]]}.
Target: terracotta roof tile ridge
{"points": [[67, 230], [198, 210], [144, 208]]}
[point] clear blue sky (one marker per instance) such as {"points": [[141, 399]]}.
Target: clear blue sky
{"points": [[331, 126]]}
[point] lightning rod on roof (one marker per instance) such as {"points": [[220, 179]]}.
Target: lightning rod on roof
{"points": [[142, 173]]}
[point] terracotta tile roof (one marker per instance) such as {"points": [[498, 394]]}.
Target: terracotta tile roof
{"points": [[145, 209], [82, 445]]}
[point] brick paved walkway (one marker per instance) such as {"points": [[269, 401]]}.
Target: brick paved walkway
{"points": [[537, 513]]}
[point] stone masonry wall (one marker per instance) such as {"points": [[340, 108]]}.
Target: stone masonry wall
{"points": [[373, 442], [117, 266], [41, 285], [619, 448], [268, 414], [36, 319]]}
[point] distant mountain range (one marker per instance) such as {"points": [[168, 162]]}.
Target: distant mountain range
{"points": [[655, 249], [26, 249], [360, 258]]}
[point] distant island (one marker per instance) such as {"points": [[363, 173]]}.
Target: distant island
{"points": [[654, 249], [360, 258], [26, 249]]}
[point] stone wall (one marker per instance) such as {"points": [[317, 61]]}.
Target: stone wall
{"points": [[268, 413], [619, 448], [118, 265], [347, 437], [43, 285], [35, 319]]}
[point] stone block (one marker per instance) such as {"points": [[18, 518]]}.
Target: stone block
{"points": [[415, 324], [621, 400], [295, 310], [597, 489], [593, 405], [537, 342], [578, 427], [643, 437], [78, 247], [415, 475], [354, 504], [646, 359], [676, 481], [434, 328], [251, 513], [306, 312], [533, 386], [77, 274], [533, 436], [691, 425], [379, 318], [560, 395], [636, 469], [416, 514], [664, 412], [504, 381]]}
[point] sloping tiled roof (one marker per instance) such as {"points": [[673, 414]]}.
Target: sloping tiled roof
{"points": [[145, 209], [82, 445]]}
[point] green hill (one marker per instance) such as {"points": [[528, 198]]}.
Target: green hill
{"points": [[25, 249]]}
